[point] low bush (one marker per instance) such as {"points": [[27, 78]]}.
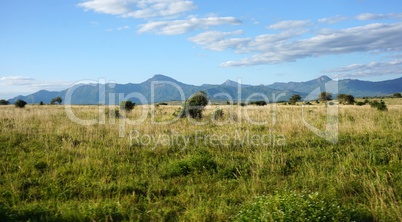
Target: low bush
{"points": [[217, 114], [294, 206], [20, 103], [379, 105]]}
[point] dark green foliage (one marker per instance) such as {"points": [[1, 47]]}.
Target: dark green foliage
{"points": [[294, 99], [325, 96], [41, 103], [397, 95], [379, 105], [346, 99], [162, 104], [57, 100], [20, 103], [242, 104], [194, 106], [360, 103], [258, 103], [127, 105], [3, 102]]}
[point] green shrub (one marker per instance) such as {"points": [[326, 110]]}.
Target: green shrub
{"points": [[20, 103], [3, 102], [294, 99], [258, 103], [57, 100], [379, 105], [217, 114], [294, 206], [346, 99], [127, 105], [195, 105]]}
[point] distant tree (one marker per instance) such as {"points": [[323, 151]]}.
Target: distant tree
{"points": [[4, 102], [379, 105], [195, 105], [325, 96], [346, 99], [57, 100], [294, 99], [397, 95], [41, 103], [127, 105], [258, 103], [20, 103]]}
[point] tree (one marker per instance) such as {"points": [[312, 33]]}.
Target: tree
{"points": [[346, 99], [325, 96], [41, 103], [4, 102], [294, 99], [20, 103], [397, 95], [57, 100], [379, 105], [194, 105], [258, 103], [127, 105]]}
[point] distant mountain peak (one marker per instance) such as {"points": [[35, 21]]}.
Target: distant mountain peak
{"points": [[160, 77], [324, 78], [230, 83]]}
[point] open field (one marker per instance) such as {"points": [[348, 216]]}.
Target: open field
{"points": [[54, 169]]}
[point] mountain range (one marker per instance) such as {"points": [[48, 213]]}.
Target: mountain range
{"points": [[162, 88]]}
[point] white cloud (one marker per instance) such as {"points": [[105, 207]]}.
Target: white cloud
{"points": [[291, 24], [370, 16], [15, 80], [122, 28], [177, 27], [139, 8], [370, 38], [11, 86], [119, 28], [367, 70], [333, 20], [216, 41]]}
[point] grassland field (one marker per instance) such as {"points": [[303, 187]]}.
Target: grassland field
{"points": [[258, 163]]}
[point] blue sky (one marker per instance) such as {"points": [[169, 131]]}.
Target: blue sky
{"points": [[47, 44]]}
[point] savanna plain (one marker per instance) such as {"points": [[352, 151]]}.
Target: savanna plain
{"points": [[259, 163]]}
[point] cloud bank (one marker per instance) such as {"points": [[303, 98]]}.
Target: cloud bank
{"points": [[139, 9], [177, 27], [367, 70]]}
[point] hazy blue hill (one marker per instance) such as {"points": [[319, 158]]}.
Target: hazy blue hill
{"points": [[168, 89], [304, 87], [360, 88], [42, 95]]}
